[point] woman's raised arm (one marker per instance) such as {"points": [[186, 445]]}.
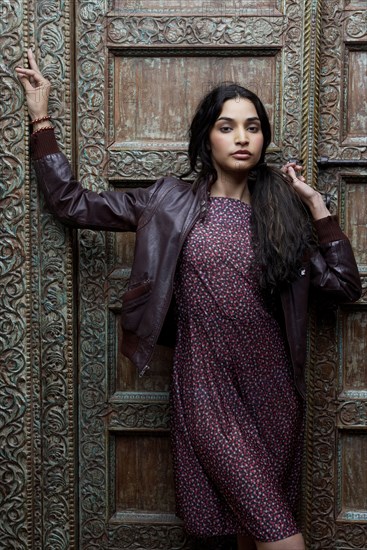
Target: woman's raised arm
{"points": [[66, 198]]}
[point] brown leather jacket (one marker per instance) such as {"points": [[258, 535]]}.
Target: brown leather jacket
{"points": [[162, 216]]}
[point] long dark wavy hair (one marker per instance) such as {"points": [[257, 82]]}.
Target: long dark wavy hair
{"points": [[282, 234]]}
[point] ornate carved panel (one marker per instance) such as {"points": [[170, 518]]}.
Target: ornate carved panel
{"points": [[205, 29], [134, 70], [343, 66], [36, 400], [338, 383], [15, 441]]}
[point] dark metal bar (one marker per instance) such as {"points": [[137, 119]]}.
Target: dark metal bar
{"points": [[325, 162]]}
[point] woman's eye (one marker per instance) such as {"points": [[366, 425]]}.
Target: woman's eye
{"points": [[225, 128], [253, 128]]}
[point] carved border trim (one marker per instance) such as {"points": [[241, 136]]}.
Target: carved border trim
{"points": [[206, 29], [309, 130], [139, 416], [94, 317], [15, 418], [52, 354]]}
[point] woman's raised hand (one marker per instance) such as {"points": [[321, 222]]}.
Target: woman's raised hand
{"points": [[310, 196], [37, 88]]}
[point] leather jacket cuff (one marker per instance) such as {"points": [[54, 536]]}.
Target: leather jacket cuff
{"points": [[328, 229], [43, 143]]}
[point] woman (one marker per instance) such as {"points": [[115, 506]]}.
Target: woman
{"points": [[237, 252]]}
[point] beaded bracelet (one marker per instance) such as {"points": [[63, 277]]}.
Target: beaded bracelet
{"points": [[42, 119], [43, 129]]}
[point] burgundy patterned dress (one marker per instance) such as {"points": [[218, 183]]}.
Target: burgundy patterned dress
{"points": [[237, 419]]}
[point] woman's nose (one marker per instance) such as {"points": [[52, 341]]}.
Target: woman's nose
{"points": [[241, 136]]}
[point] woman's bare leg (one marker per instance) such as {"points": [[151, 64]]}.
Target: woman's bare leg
{"points": [[292, 543], [245, 543]]}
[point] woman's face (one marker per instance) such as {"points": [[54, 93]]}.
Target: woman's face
{"points": [[236, 139]]}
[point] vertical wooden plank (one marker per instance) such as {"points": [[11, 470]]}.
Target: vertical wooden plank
{"points": [[15, 442], [310, 128], [36, 343], [95, 355], [52, 357], [340, 389]]}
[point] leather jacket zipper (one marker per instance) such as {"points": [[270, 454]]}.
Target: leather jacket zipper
{"points": [[182, 240]]}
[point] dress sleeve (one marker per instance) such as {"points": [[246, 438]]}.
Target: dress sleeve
{"points": [[76, 206], [333, 266]]}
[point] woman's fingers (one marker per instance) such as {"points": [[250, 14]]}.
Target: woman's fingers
{"points": [[36, 86], [30, 77], [33, 74], [32, 61], [291, 172], [291, 164]]}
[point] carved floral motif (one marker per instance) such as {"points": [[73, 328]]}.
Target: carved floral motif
{"points": [[145, 165], [199, 30], [140, 416], [37, 431], [91, 58], [51, 359], [155, 537], [14, 315]]}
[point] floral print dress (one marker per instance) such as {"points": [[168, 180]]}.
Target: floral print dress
{"points": [[237, 419]]}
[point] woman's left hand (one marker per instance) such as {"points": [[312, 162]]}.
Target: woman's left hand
{"points": [[307, 194]]}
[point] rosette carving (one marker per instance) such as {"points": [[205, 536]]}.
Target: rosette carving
{"points": [[356, 25], [352, 414]]}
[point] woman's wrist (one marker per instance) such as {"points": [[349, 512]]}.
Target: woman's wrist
{"points": [[317, 207]]}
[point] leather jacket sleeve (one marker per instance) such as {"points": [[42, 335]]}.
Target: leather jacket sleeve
{"points": [[333, 267], [76, 206]]}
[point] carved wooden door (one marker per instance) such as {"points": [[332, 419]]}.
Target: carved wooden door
{"points": [[142, 67], [85, 459]]}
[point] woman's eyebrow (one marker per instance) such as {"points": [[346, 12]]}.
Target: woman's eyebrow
{"points": [[250, 119]]}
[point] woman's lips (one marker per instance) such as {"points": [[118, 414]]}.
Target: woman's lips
{"points": [[241, 156]]}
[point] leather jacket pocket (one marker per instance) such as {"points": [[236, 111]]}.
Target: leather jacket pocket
{"points": [[133, 302]]}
